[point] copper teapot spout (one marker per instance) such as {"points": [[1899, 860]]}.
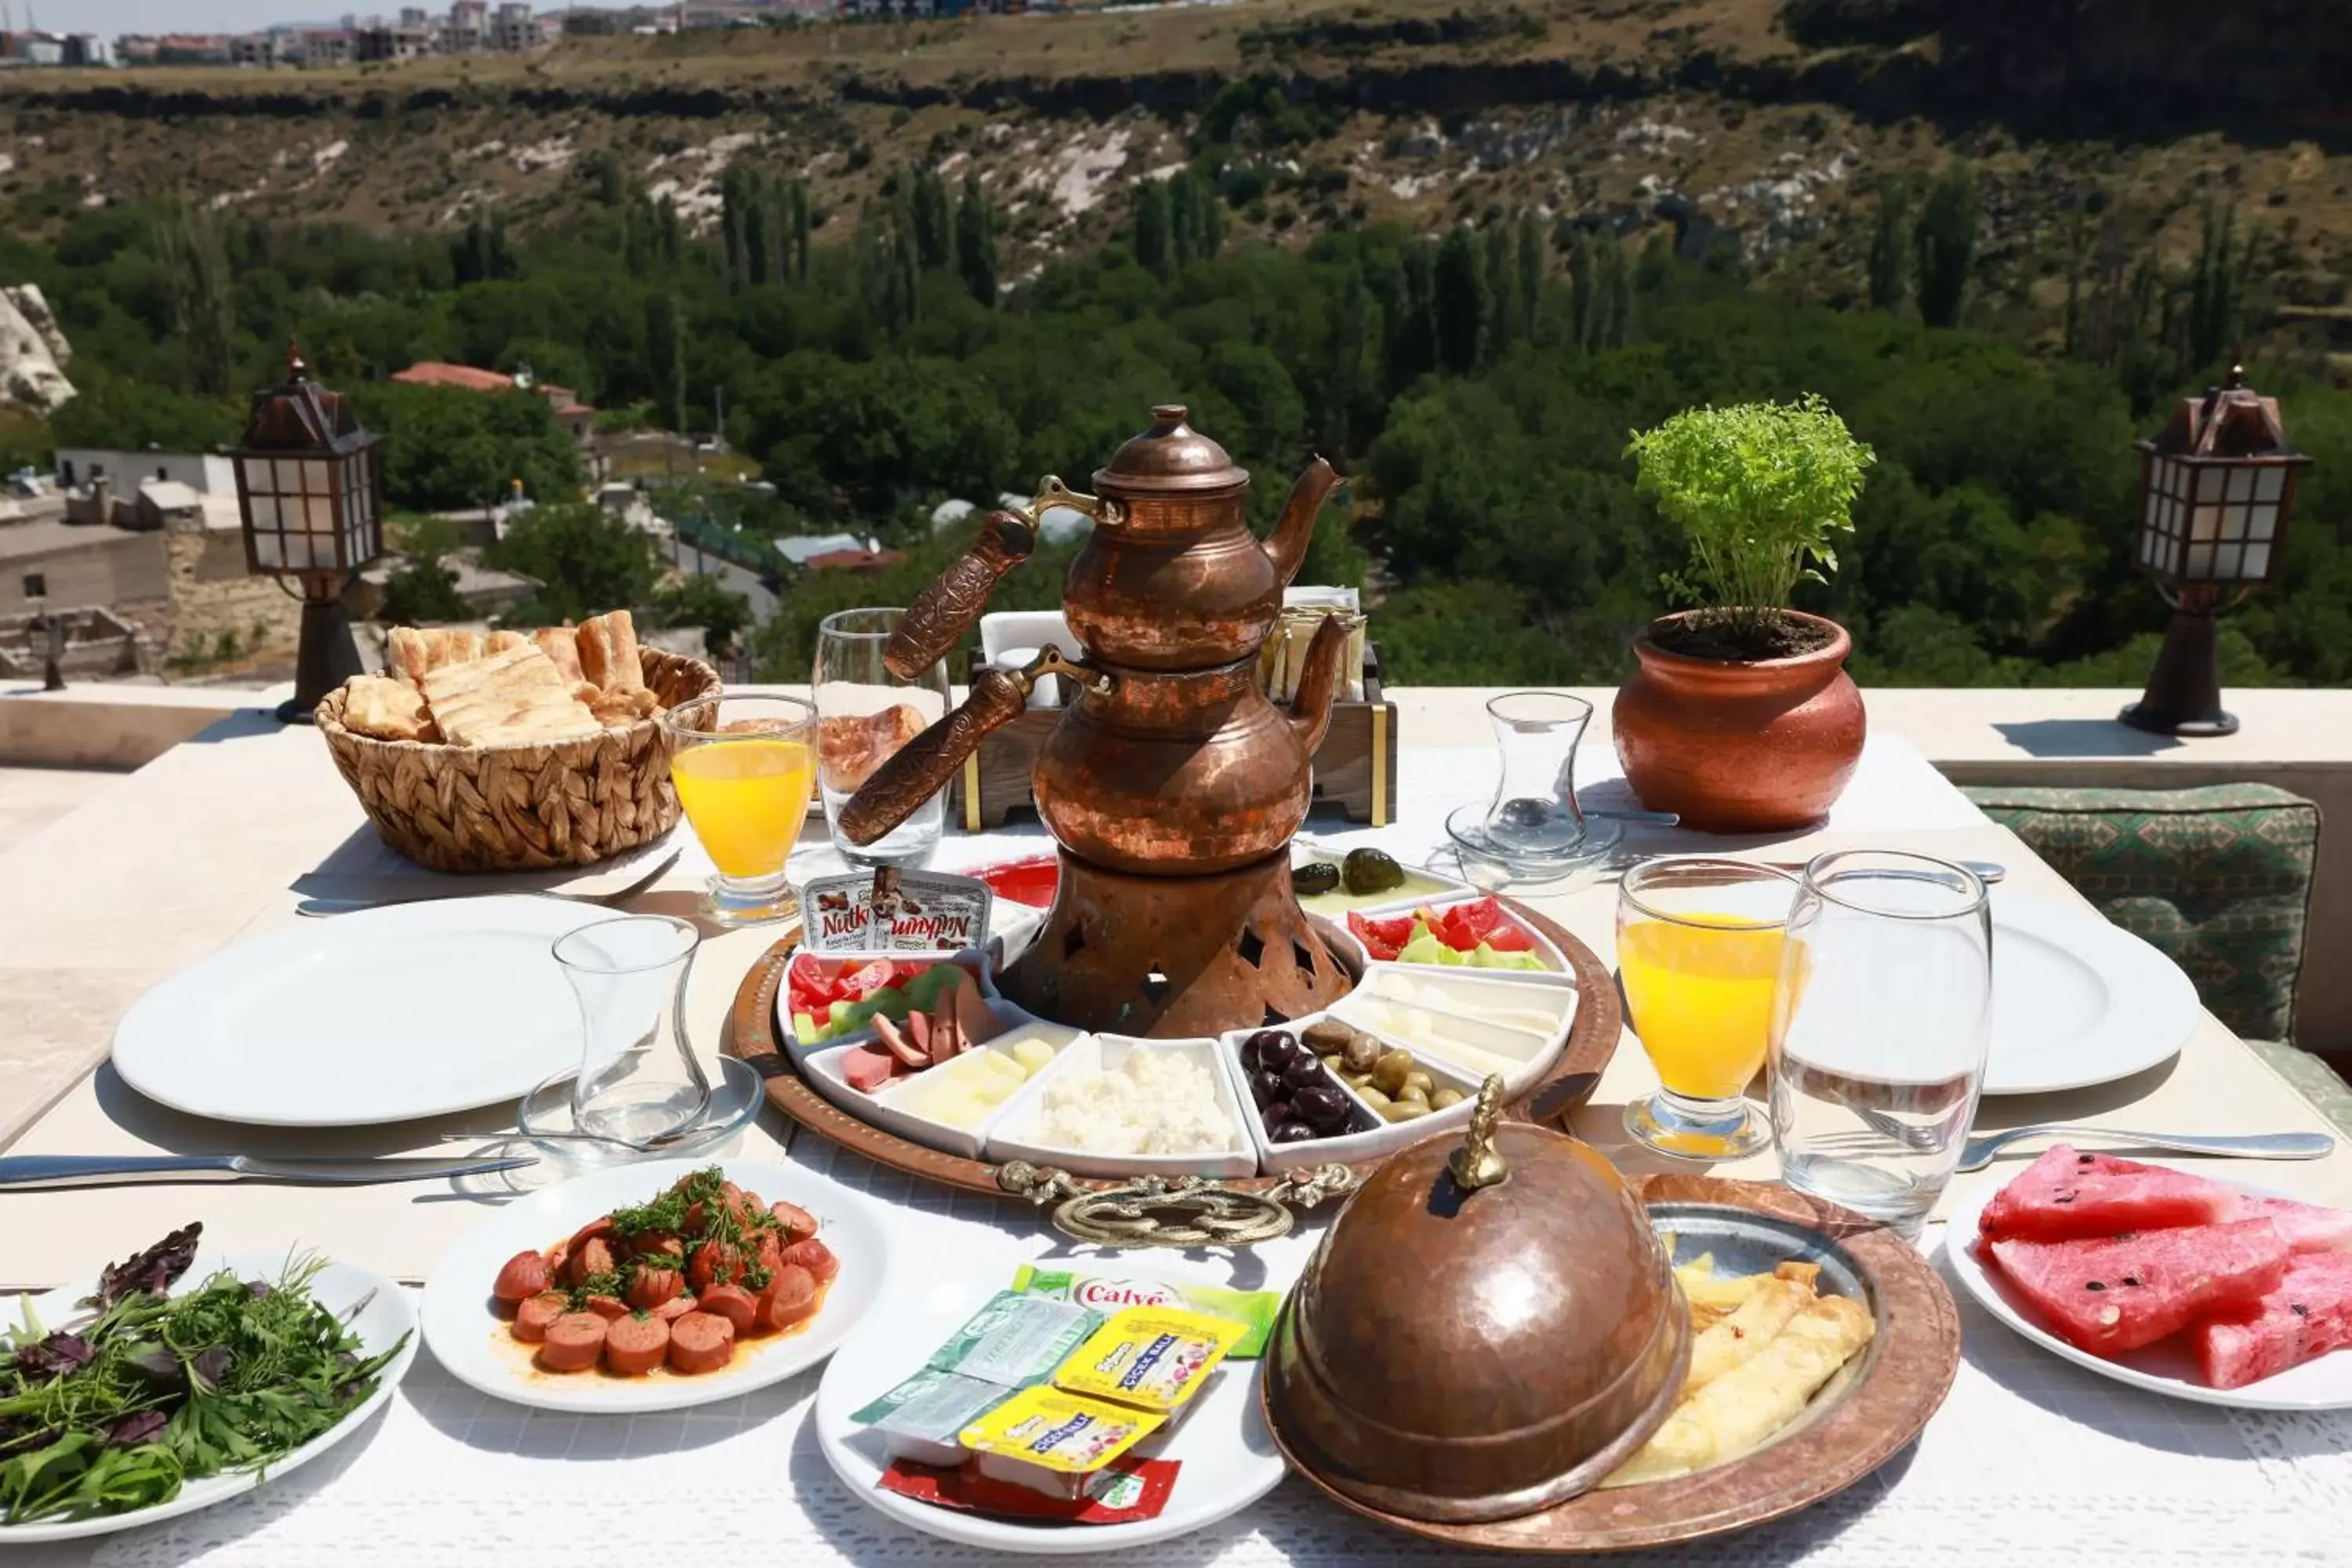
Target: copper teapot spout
{"points": [[1319, 682], [1287, 547]]}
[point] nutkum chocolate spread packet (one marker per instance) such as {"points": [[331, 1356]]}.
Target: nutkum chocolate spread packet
{"points": [[890, 910]]}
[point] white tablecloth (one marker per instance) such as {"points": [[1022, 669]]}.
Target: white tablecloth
{"points": [[2032, 1461]]}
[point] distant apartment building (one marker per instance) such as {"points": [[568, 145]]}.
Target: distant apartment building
{"points": [[36, 48], [277, 46], [324, 48], [376, 40], [88, 49], [192, 48], [469, 32], [135, 48], [515, 29]]}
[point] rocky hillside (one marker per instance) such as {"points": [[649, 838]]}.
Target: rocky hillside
{"points": [[2099, 130]]}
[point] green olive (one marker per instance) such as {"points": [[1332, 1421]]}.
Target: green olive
{"points": [[1389, 1072], [1404, 1111], [1412, 1096], [1332, 1063], [1421, 1079], [1326, 1036], [1360, 1053], [1372, 1097], [1446, 1099]]}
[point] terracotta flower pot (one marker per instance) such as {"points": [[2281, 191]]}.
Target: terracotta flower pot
{"points": [[1741, 746]]}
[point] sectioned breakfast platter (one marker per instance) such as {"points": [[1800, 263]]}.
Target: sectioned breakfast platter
{"points": [[858, 1038]]}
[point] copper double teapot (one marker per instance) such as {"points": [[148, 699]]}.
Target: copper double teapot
{"points": [[1171, 762]]}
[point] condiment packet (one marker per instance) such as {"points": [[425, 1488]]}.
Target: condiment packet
{"points": [[1152, 1359], [1253, 1310], [891, 910], [1015, 1340], [919, 1419], [1054, 1442], [1119, 1493]]}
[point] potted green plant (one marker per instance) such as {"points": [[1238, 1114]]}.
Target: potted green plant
{"points": [[1740, 715]]}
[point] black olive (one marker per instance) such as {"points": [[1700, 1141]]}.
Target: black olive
{"points": [[1321, 1107], [1275, 1117], [1277, 1050], [1314, 877], [1249, 1055], [1369, 871], [1304, 1073], [1293, 1133], [1267, 1089]]}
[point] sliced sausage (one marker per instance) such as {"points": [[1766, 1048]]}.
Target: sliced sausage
{"points": [[606, 1307], [532, 1317], [714, 1263], [677, 1307], [559, 1261], [656, 1244], [574, 1341], [734, 1303], [601, 1225], [635, 1346], [694, 1223], [592, 1257], [815, 1256], [524, 1277], [767, 1252], [701, 1341], [798, 1222], [790, 1298], [652, 1287]]}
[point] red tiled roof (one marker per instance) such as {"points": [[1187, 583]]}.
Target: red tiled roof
{"points": [[434, 372], [853, 560], [574, 411]]}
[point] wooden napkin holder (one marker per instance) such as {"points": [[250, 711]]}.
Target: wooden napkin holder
{"points": [[1355, 768]]}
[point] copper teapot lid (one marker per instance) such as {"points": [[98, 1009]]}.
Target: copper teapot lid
{"points": [[1169, 458], [1489, 1328]]}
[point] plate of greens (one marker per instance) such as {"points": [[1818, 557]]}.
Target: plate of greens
{"points": [[178, 1379]]}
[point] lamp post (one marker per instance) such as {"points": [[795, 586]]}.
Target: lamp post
{"points": [[309, 483], [2216, 487]]}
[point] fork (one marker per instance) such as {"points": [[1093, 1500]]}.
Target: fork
{"points": [[1978, 1151]]}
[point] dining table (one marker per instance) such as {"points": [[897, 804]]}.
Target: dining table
{"points": [[2031, 1458]]}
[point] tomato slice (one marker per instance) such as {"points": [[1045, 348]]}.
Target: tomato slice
{"points": [[1508, 938], [1455, 932], [1482, 915], [1381, 939], [866, 980], [811, 988]]}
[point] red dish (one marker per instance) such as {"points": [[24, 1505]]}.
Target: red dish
{"points": [[1031, 881]]}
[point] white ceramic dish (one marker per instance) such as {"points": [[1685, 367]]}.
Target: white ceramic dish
{"points": [[1374, 1137], [884, 1110], [2078, 1001], [379, 1312], [1553, 959], [472, 1340], [980, 961], [1520, 1055], [2166, 1367], [385, 1014], [1015, 1136], [1228, 1459]]}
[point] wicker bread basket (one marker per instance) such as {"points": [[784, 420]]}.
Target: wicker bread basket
{"points": [[528, 807]]}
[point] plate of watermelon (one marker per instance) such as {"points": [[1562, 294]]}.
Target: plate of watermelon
{"points": [[2176, 1283]]}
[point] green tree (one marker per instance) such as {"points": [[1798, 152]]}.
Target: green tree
{"points": [[1412, 321], [422, 589], [934, 227], [1502, 290], [693, 599], [1948, 246], [799, 219], [1153, 245], [1459, 302], [189, 245], [1584, 292], [2215, 288], [447, 450], [1531, 274], [665, 356], [1890, 247], [587, 562], [976, 242]]}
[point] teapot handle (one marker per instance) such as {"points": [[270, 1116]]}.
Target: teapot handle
{"points": [[922, 767], [942, 612]]}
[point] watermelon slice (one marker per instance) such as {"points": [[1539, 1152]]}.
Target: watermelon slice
{"points": [[2308, 1315], [2066, 1195], [2122, 1292], [2306, 1226]]}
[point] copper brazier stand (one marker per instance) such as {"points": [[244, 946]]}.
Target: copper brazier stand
{"points": [[1172, 785]]}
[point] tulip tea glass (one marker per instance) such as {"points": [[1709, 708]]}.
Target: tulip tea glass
{"points": [[744, 767], [1881, 1023], [865, 713], [1534, 812], [639, 1079], [1699, 951]]}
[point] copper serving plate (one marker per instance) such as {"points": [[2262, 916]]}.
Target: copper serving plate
{"points": [[1591, 1041], [1850, 1430]]}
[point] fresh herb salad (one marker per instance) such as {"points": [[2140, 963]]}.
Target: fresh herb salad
{"points": [[156, 1390]]}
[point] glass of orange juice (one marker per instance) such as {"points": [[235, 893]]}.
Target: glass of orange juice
{"points": [[744, 767], [1698, 952]]}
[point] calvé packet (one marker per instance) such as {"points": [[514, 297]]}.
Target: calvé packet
{"points": [[891, 910], [1122, 1492], [1254, 1310]]}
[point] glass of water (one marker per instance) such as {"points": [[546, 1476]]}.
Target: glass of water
{"points": [[864, 714], [639, 1077], [1881, 1020], [1534, 810]]}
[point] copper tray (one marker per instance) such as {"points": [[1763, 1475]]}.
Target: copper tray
{"points": [[1905, 1375], [1591, 1041]]}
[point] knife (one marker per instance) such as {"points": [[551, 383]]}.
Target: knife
{"points": [[29, 1171]]}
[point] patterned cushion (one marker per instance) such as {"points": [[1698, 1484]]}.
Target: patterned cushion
{"points": [[2218, 878], [2311, 1078]]}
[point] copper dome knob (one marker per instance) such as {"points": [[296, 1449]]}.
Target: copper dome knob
{"points": [[1465, 1354]]}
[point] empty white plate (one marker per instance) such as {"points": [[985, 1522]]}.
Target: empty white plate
{"points": [[2077, 1000], [385, 1015]]}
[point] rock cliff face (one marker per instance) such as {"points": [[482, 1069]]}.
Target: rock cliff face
{"points": [[32, 350]]}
